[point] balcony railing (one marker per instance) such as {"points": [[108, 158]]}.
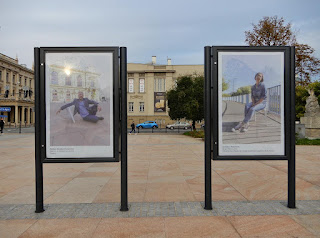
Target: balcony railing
{"points": [[273, 99]]}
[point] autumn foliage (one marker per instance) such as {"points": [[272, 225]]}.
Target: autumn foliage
{"points": [[273, 31]]}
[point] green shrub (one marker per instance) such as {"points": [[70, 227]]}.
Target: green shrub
{"points": [[301, 97], [195, 134], [306, 141]]}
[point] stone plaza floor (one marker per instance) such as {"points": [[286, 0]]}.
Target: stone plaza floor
{"points": [[166, 193]]}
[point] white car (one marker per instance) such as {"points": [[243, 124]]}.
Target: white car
{"points": [[179, 124]]}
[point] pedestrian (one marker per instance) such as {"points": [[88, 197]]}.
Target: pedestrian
{"points": [[133, 128], [1, 125]]}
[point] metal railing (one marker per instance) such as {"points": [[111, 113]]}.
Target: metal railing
{"points": [[273, 99], [161, 130]]}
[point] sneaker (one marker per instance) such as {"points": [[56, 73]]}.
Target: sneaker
{"points": [[100, 118], [237, 127], [245, 127]]}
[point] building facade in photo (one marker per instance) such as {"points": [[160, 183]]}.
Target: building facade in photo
{"points": [[147, 87], [16, 92], [66, 83]]}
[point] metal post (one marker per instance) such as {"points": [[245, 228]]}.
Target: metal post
{"points": [[38, 161], [207, 99], [124, 134], [292, 159]]}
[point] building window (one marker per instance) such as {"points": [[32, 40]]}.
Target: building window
{"points": [[141, 83], [54, 78], [7, 78], [131, 86], [159, 85], [79, 81], [130, 106], [0, 75], [141, 106], [19, 93], [13, 93], [30, 83], [25, 81], [68, 81], [13, 79], [20, 80], [92, 84], [68, 96], [54, 95]]}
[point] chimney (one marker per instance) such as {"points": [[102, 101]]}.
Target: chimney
{"points": [[154, 59], [169, 61]]}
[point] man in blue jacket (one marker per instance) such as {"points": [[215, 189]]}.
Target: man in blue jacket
{"points": [[81, 106]]}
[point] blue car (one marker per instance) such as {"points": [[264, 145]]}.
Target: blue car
{"points": [[147, 124]]}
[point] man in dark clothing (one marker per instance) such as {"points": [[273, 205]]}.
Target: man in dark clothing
{"points": [[133, 127], [81, 106], [1, 125]]}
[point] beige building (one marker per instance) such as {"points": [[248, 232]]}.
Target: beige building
{"points": [[16, 91], [147, 87]]}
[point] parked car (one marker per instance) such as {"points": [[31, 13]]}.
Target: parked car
{"points": [[147, 124], [178, 124]]}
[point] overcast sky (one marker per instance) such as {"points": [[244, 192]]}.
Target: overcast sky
{"points": [[175, 29]]}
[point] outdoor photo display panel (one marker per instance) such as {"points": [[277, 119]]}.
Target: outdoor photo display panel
{"points": [[79, 104], [251, 103]]}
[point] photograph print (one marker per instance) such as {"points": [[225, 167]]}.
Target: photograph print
{"points": [[251, 103], [79, 104]]}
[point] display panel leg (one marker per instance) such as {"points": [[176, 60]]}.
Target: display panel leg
{"points": [[124, 138], [38, 162], [291, 184], [292, 160], [39, 187], [207, 163]]}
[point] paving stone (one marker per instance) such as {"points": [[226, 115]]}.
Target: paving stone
{"points": [[165, 209]]}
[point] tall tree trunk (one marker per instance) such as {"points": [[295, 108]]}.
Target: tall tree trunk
{"points": [[194, 125]]}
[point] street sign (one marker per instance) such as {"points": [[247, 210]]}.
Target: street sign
{"points": [[5, 109]]}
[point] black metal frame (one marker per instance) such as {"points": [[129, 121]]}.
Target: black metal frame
{"points": [[120, 124], [124, 134], [116, 104], [212, 144]]}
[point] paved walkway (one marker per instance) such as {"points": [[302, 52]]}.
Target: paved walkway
{"points": [[166, 189], [265, 129]]}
